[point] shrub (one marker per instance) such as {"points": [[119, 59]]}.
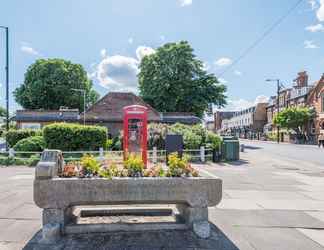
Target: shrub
{"points": [[9, 161], [74, 137], [13, 136], [31, 144], [135, 165], [90, 165], [213, 140]]}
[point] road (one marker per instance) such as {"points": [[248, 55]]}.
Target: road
{"points": [[273, 199]]}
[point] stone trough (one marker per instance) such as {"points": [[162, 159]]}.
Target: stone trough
{"points": [[58, 197]]}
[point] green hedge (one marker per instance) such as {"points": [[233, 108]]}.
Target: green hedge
{"points": [[30, 144], [74, 137], [13, 136]]}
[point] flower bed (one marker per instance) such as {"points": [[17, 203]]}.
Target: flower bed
{"points": [[133, 166]]}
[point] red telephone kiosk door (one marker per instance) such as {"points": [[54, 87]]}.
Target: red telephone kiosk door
{"points": [[135, 131]]}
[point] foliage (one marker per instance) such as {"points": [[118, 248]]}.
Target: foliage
{"points": [[3, 112], [30, 144], [134, 164], [173, 80], [74, 137], [13, 161], [294, 118], [213, 140], [180, 166], [48, 85], [193, 136], [90, 165], [13, 135], [109, 144]]}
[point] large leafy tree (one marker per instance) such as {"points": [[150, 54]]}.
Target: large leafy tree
{"points": [[174, 80], [3, 112], [294, 118], [48, 85]]}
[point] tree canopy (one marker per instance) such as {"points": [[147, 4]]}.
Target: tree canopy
{"points": [[3, 112], [48, 85], [173, 80], [294, 118]]}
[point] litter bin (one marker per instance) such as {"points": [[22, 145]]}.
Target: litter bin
{"points": [[231, 150]]}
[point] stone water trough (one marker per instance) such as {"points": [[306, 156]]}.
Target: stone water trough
{"points": [[58, 197]]}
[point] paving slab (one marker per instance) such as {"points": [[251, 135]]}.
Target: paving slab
{"points": [[241, 204], [265, 195], [313, 234], [319, 215], [266, 218]]}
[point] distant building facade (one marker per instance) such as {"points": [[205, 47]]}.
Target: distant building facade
{"points": [[247, 123]]}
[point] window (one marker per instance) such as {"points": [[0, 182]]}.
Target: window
{"points": [[30, 125], [322, 102]]}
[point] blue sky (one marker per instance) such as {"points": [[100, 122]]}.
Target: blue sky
{"points": [[109, 37]]}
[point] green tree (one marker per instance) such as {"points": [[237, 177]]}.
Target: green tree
{"points": [[48, 85], [173, 79], [3, 112], [294, 118]]}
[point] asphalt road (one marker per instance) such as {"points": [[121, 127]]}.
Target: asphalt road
{"points": [[303, 153]]}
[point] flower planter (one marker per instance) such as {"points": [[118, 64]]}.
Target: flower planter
{"points": [[57, 196]]}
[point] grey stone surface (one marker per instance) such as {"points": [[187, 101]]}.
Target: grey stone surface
{"points": [[51, 233], [50, 164], [202, 229], [195, 191]]}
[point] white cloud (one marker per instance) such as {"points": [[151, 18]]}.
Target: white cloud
{"points": [[29, 50], [308, 44], [238, 73], [117, 72], [237, 104], [224, 61], [184, 3], [320, 11], [261, 99], [315, 28], [103, 53], [313, 4], [142, 51], [130, 40], [240, 104]]}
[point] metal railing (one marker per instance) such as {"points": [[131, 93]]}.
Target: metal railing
{"points": [[154, 156]]}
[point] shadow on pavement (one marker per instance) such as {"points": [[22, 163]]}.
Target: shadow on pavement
{"points": [[252, 147], [170, 239]]}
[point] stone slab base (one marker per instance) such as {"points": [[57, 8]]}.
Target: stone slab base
{"points": [[104, 228]]}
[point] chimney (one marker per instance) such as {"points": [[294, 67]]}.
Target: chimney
{"points": [[302, 79]]}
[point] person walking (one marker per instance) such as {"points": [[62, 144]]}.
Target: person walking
{"points": [[321, 140]]}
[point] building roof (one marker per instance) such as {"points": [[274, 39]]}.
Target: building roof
{"points": [[110, 107], [180, 117], [47, 115]]}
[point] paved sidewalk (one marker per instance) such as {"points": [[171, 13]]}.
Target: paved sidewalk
{"points": [[271, 200]]}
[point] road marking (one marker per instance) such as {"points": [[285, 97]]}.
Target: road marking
{"points": [[208, 173]]}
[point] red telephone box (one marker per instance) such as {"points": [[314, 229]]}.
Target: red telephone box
{"points": [[135, 130]]}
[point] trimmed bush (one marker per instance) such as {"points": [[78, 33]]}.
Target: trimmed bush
{"points": [[74, 137], [31, 144], [213, 140], [13, 136]]}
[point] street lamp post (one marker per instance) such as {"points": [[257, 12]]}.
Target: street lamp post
{"points": [[84, 101], [7, 78], [278, 93]]}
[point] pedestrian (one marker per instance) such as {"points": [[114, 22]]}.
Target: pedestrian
{"points": [[321, 140]]}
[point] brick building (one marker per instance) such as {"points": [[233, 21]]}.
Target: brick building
{"points": [[316, 102], [297, 95], [108, 112]]}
